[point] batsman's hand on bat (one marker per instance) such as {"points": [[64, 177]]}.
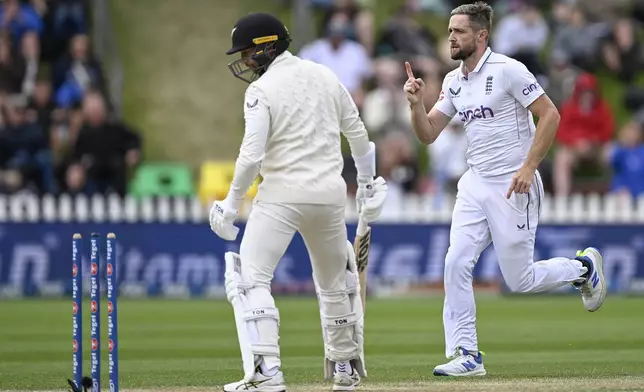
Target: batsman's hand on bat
{"points": [[222, 218], [414, 87], [370, 197]]}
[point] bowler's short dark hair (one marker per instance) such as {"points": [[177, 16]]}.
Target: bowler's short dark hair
{"points": [[480, 14]]}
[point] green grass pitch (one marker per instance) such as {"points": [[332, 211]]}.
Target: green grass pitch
{"points": [[532, 343]]}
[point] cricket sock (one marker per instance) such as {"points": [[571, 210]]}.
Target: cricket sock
{"points": [[344, 367], [269, 366], [585, 265], [268, 372], [473, 353], [584, 269]]}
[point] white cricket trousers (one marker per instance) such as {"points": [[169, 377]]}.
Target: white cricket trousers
{"points": [[269, 231], [482, 215]]}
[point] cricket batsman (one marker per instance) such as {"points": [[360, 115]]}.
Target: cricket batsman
{"points": [[294, 111], [499, 197]]}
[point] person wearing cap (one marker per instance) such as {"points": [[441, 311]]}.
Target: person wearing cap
{"points": [[295, 111]]}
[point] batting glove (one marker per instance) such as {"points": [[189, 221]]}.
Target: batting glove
{"points": [[365, 190], [222, 217], [370, 197]]}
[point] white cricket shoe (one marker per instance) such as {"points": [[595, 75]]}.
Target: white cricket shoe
{"points": [[463, 364], [593, 289], [345, 381], [259, 383]]}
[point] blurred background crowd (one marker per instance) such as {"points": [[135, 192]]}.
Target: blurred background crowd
{"points": [[574, 49], [57, 133]]}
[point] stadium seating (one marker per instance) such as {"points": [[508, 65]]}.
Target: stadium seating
{"points": [[162, 179], [215, 179]]}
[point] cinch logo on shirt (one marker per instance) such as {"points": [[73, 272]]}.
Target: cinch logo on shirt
{"points": [[482, 112], [530, 88]]}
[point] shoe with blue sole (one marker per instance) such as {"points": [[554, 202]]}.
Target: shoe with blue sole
{"points": [[463, 364], [593, 289]]}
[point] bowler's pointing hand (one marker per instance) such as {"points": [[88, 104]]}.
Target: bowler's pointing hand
{"points": [[414, 87]]}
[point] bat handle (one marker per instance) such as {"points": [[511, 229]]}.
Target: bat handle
{"points": [[362, 226]]}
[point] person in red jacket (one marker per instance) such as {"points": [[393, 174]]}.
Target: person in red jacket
{"points": [[585, 128]]}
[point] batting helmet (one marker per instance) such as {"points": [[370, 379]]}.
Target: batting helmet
{"points": [[266, 35]]}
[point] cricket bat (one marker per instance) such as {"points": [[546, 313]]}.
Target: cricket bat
{"points": [[361, 245]]}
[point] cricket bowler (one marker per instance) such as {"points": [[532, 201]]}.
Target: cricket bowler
{"points": [[499, 197], [295, 112]]}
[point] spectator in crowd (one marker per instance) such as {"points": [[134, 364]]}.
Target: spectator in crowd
{"points": [[360, 21], [69, 18], [24, 150], [19, 18], [40, 107], [577, 40], [12, 69], [397, 160], [522, 35], [586, 127], [561, 79], [606, 10], [30, 53], [348, 59], [77, 72], [407, 40], [626, 160], [63, 19], [634, 99], [404, 36], [386, 103], [624, 56], [103, 151], [64, 131], [397, 165]]}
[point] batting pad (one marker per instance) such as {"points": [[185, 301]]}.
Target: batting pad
{"points": [[354, 320], [256, 318]]}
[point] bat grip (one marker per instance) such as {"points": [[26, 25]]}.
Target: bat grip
{"points": [[362, 226]]}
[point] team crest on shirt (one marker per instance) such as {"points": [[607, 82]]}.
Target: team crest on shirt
{"points": [[441, 96], [488, 85]]}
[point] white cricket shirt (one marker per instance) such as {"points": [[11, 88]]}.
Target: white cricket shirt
{"points": [[294, 115], [492, 103]]}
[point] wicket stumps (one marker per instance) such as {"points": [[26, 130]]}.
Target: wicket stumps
{"points": [[80, 383], [95, 313], [112, 315]]}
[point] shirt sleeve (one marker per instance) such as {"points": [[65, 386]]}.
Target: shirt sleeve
{"points": [[444, 103], [253, 147], [522, 84], [351, 124]]}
